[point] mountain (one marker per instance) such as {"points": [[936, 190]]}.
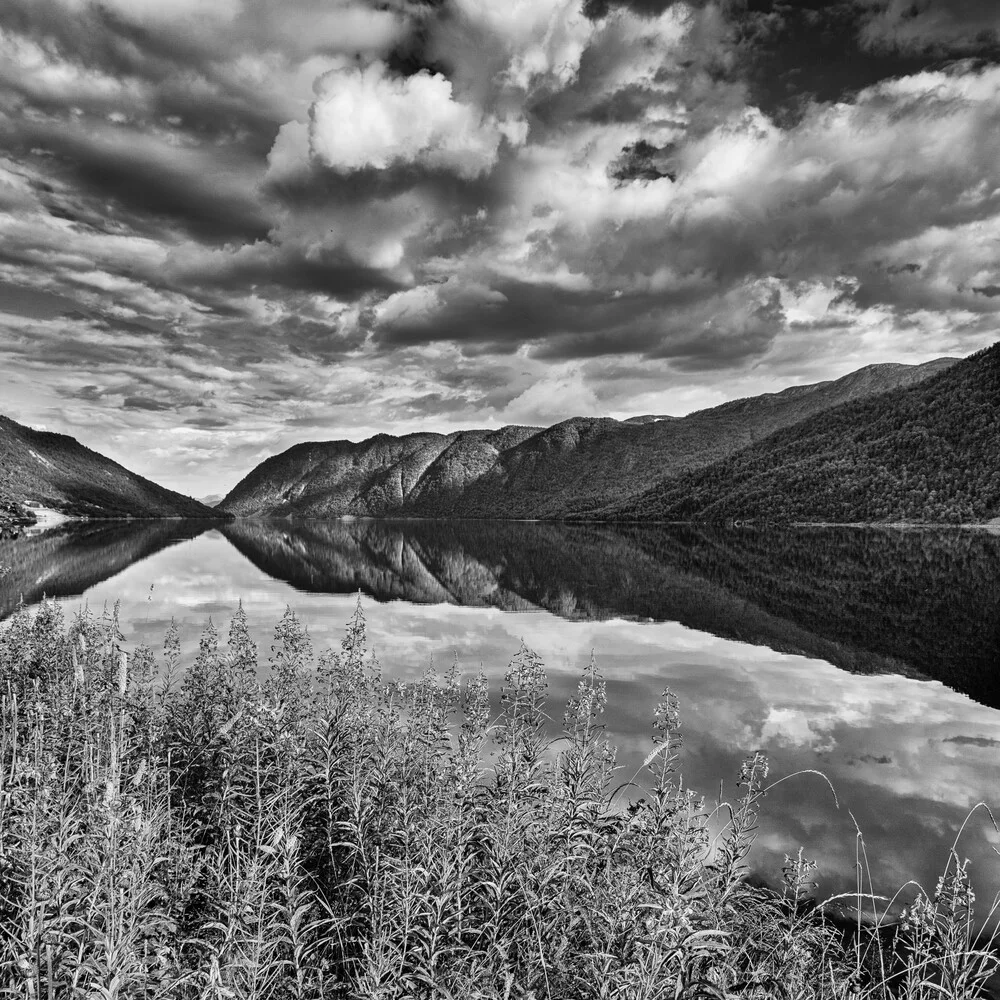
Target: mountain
{"points": [[926, 453], [211, 501], [55, 470], [574, 468]]}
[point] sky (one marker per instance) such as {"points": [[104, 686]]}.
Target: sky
{"points": [[228, 226]]}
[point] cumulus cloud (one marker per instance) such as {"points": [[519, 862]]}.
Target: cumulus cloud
{"points": [[364, 118]]}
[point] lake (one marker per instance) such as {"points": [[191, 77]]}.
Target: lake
{"points": [[872, 655]]}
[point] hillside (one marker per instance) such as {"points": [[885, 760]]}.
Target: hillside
{"points": [[571, 469], [927, 453], [55, 470]]}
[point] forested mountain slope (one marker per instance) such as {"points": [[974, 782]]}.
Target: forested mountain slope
{"points": [[927, 453], [57, 471], [574, 468]]}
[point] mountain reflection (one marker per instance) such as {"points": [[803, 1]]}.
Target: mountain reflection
{"points": [[923, 603], [908, 759], [71, 558]]}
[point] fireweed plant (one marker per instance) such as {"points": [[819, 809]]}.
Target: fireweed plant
{"points": [[328, 832]]}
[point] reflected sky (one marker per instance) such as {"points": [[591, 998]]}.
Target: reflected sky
{"points": [[908, 758]]}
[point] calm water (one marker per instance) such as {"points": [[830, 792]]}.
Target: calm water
{"points": [[871, 655]]}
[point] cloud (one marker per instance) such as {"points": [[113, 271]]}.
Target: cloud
{"points": [[985, 742], [141, 403], [538, 38], [152, 181], [169, 12], [937, 26], [549, 399], [366, 118], [302, 266]]}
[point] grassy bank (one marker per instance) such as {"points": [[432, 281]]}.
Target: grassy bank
{"points": [[326, 832]]}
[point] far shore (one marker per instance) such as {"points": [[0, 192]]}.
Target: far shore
{"points": [[48, 518]]}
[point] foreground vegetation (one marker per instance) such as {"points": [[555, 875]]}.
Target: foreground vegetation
{"points": [[326, 832]]}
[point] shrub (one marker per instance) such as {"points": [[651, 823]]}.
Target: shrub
{"points": [[326, 832]]}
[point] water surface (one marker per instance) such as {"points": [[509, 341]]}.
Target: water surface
{"points": [[871, 655]]}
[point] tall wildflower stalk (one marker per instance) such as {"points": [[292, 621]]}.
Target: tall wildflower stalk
{"points": [[214, 828]]}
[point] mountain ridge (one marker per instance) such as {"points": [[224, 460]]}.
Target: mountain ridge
{"points": [[572, 469], [924, 453]]}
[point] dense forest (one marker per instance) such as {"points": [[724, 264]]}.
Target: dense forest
{"points": [[929, 453]]}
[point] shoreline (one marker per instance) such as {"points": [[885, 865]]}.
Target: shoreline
{"points": [[46, 518]]}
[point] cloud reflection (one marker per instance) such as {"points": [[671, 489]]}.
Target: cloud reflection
{"points": [[908, 758]]}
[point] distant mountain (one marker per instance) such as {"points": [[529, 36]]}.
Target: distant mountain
{"points": [[574, 468], [55, 470], [926, 453], [211, 501]]}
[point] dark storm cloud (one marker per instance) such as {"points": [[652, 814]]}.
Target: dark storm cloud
{"points": [[705, 336], [642, 161], [829, 50], [89, 35], [324, 342], [143, 403], [794, 51], [266, 266], [985, 742], [511, 313], [73, 353], [324, 188], [150, 180], [89, 393], [595, 9], [569, 325], [207, 422]]}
